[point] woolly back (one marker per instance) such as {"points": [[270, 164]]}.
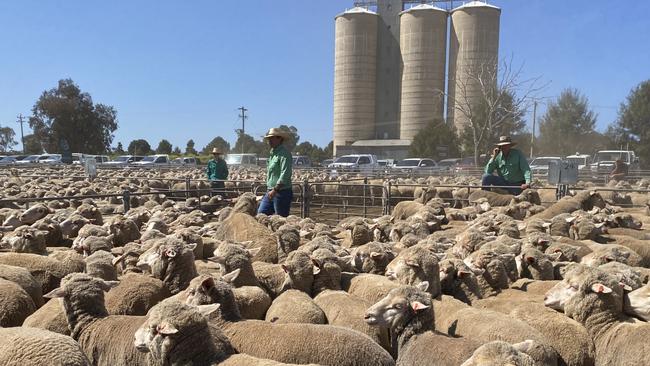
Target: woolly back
{"points": [[204, 290], [83, 301]]}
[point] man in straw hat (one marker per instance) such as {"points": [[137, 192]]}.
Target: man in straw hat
{"points": [[217, 170], [510, 165], [278, 198]]}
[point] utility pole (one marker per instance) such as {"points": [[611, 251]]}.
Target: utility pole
{"points": [[243, 125], [22, 135], [532, 135]]}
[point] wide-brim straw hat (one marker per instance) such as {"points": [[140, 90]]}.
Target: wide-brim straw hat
{"points": [[217, 151], [505, 140], [277, 132]]}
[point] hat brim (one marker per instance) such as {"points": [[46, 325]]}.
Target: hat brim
{"points": [[281, 136], [505, 143]]}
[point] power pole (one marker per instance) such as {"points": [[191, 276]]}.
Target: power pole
{"points": [[22, 135], [532, 135], [243, 117]]}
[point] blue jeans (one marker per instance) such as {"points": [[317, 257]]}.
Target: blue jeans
{"points": [[280, 205], [497, 180]]}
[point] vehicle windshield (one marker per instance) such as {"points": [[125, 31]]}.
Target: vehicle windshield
{"points": [[408, 162], [7, 158], [234, 159], [542, 161], [446, 162], [121, 159], [32, 158], [611, 156], [579, 161], [347, 159], [149, 159]]}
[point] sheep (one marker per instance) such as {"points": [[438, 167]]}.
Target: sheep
{"points": [[637, 304], [288, 239], [604, 253], [294, 306], [345, 310], [534, 264], [124, 230], [231, 256], [100, 264], [106, 340], [414, 265], [34, 213], [625, 223], [15, 304], [501, 353], [70, 227], [407, 311], [171, 261], [54, 236], [50, 316], [494, 199], [242, 227], [91, 244], [286, 342], [190, 236], [327, 271], [25, 239], [628, 276], [372, 257], [33, 347], [460, 281], [135, 295], [91, 212], [295, 273], [24, 279], [595, 299], [641, 247], [406, 209], [585, 229], [494, 265], [585, 200], [46, 270]]}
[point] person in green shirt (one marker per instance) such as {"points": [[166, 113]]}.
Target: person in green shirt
{"points": [[217, 171], [279, 195], [510, 165]]}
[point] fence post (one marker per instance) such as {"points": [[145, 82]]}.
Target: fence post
{"points": [[305, 199], [388, 197], [126, 198], [365, 205], [187, 187]]}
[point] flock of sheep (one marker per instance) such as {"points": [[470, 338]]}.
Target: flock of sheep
{"points": [[451, 277]]}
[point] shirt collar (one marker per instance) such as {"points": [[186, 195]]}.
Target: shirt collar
{"points": [[277, 149]]}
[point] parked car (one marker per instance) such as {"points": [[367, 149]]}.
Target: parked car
{"points": [[50, 159], [153, 160], [583, 160], [540, 165], [325, 163], [355, 163], [468, 165], [185, 161], [416, 166], [28, 160], [301, 162], [247, 160], [449, 164], [123, 160], [7, 160], [604, 160]]}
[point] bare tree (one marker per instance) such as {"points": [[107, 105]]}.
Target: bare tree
{"points": [[489, 99]]}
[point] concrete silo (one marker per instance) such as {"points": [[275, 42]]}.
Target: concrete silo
{"points": [[423, 42], [473, 45], [355, 71]]}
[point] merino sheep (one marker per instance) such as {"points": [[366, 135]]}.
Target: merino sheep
{"points": [[295, 273], [135, 295], [286, 342], [407, 311], [25, 239], [294, 306], [100, 264], [46, 270], [35, 347], [15, 304], [372, 257], [536, 265], [460, 281], [24, 279], [501, 353], [50, 316], [241, 227], [414, 265], [637, 303], [171, 261], [585, 200]]}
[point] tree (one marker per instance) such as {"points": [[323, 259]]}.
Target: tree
{"points": [[568, 125], [65, 114], [328, 151], [435, 140], [7, 140], [217, 142], [139, 147], [491, 98], [189, 148], [177, 150], [247, 144], [293, 139], [633, 120], [32, 145], [119, 149], [164, 147]]}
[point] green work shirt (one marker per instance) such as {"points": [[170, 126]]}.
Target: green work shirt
{"points": [[514, 168], [217, 169], [278, 168]]}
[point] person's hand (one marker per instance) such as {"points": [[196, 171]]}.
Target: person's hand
{"points": [[272, 193], [525, 186], [495, 152]]}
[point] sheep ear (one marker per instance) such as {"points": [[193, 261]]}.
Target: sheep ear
{"points": [[207, 283], [206, 310], [191, 246], [317, 266], [107, 285], [417, 306], [285, 268], [170, 253], [521, 226], [554, 257], [625, 287], [165, 328], [546, 225], [599, 225], [423, 286], [530, 259], [347, 259], [411, 263], [246, 243], [570, 219], [376, 255], [232, 276], [599, 288], [253, 252], [57, 292], [524, 346], [591, 193]]}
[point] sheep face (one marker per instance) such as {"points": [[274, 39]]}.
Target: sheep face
{"points": [[79, 290], [34, 214], [400, 307], [71, 226], [637, 303]]}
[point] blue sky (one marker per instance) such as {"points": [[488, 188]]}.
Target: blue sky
{"points": [[180, 69]]}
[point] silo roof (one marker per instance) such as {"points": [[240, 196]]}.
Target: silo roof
{"points": [[423, 7], [357, 10], [476, 4]]}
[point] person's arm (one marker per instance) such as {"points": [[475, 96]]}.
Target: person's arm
{"points": [[285, 172], [207, 170], [225, 167], [525, 168], [492, 164]]}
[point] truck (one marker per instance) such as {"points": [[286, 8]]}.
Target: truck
{"points": [[604, 160]]}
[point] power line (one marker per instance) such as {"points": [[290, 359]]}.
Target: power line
{"points": [[243, 117], [22, 135]]}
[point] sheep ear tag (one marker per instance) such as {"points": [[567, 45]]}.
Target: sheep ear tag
{"points": [[165, 328], [417, 306], [170, 253], [599, 288]]}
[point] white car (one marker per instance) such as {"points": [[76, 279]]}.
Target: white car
{"points": [[540, 165], [583, 160], [49, 159], [355, 163], [153, 160], [416, 166], [28, 160]]}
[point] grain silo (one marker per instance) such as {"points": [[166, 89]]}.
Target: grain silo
{"points": [[423, 43], [473, 45], [355, 71]]}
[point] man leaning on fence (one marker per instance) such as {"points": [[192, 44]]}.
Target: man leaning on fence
{"points": [[279, 195], [510, 165], [217, 171]]}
